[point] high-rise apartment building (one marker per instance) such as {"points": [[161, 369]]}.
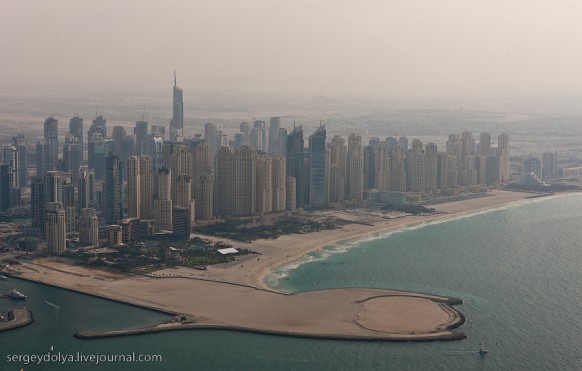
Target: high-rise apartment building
{"points": [[274, 144], [504, 153], [295, 162], [55, 228], [278, 183], [51, 137], [381, 164], [83, 201], [337, 171], [211, 136], [72, 155], [264, 185], [415, 173], [485, 144], [140, 131], [99, 125], [88, 228], [96, 154], [163, 205], [550, 164], [204, 196], [76, 130], [317, 168], [19, 143], [113, 196], [355, 169], [10, 157], [430, 167]]}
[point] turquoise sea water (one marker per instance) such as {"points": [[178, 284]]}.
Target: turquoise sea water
{"points": [[516, 268]]}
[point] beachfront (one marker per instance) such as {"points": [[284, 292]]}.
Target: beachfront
{"points": [[356, 313]]}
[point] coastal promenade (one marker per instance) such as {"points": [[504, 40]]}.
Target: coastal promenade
{"points": [[235, 297]]}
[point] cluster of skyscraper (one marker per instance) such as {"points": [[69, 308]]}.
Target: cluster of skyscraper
{"points": [[142, 183]]}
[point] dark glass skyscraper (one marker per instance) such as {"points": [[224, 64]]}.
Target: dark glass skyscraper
{"points": [[317, 189], [113, 189], [295, 161], [177, 123]]}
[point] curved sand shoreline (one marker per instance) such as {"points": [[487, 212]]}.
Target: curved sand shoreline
{"points": [[228, 298], [445, 212]]}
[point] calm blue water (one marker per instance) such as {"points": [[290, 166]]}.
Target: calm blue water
{"points": [[517, 269]]}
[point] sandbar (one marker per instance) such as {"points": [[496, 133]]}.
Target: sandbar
{"points": [[236, 298]]}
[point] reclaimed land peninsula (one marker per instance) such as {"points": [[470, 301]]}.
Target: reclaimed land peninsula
{"points": [[236, 298]]}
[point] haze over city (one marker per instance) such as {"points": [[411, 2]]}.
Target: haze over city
{"points": [[446, 48]]}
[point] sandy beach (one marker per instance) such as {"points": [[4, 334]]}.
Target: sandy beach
{"points": [[290, 248], [235, 296]]}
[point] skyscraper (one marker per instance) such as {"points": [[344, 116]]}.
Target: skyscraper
{"points": [[83, 190], [181, 222], [337, 172], [55, 228], [203, 196], [118, 136], [274, 126], [415, 172], [430, 167], [141, 138], [211, 136], [76, 130], [295, 162], [41, 158], [177, 123], [113, 198], [99, 125], [264, 185], [484, 144], [133, 187], [37, 203], [88, 228], [355, 169], [182, 195], [397, 169], [51, 137], [442, 170], [549, 164], [163, 205], [96, 154], [278, 183], [381, 165], [5, 187], [504, 153], [10, 157], [20, 143], [317, 169], [146, 184], [72, 155]]}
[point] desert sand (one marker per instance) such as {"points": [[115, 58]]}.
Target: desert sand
{"points": [[235, 297]]}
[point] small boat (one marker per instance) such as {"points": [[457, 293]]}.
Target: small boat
{"points": [[482, 349], [15, 294], [2, 277], [51, 304]]}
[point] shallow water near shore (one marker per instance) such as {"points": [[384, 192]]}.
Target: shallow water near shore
{"points": [[516, 268]]}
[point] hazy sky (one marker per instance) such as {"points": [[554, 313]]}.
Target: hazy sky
{"points": [[502, 47]]}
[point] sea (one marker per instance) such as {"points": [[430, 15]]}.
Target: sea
{"points": [[517, 268]]}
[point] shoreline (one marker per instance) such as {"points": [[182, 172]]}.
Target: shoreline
{"points": [[348, 314], [413, 221]]}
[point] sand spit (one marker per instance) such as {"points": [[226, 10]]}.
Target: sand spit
{"points": [[235, 297]]}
